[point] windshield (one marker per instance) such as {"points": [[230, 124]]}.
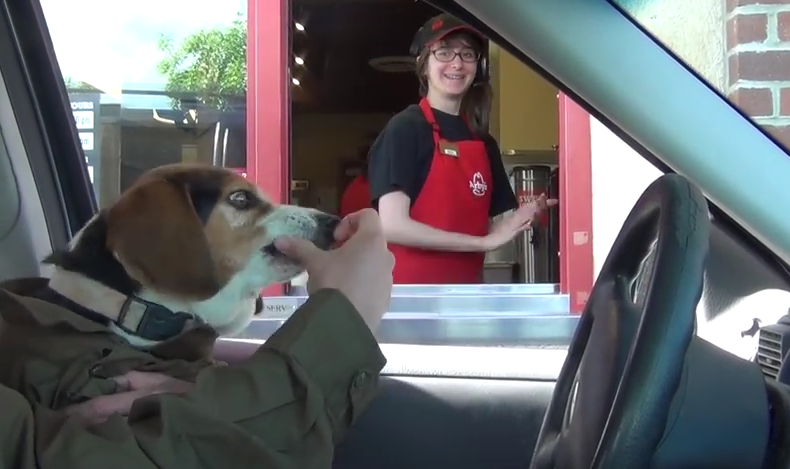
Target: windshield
{"points": [[741, 47]]}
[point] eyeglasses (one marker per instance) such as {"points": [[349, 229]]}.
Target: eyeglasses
{"points": [[444, 54]]}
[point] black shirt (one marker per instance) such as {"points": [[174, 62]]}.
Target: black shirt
{"points": [[401, 157]]}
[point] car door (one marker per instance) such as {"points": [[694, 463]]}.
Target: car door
{"points": [[454, 405]]}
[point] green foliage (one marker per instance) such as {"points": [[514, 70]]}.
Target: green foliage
{"points": [[209, 64], [77, 85]]}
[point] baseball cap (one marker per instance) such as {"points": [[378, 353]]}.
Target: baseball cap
{"points": [[438, 27]]}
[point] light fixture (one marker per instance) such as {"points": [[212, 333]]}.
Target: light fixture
{"points": [[299, 26], [296, 81], [298, 60]]}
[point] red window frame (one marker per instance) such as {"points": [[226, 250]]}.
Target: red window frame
{"points": [[269, 140], [576, 235], [268, 101]]}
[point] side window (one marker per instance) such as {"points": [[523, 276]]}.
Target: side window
{"points": [[161, 83], [166, 83], [348, 83]]}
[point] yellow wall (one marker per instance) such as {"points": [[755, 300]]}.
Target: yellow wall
{"points": [[524, 114], [320, 142]]}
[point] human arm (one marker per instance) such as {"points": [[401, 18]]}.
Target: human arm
{"points": [[17, 438], [286, 406], [503, 200], [400, 228]]}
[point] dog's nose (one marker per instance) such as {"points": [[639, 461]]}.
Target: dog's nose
{"points": [[330, 222], [325, 236]]}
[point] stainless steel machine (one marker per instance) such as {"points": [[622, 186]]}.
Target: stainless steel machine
{"points": [[530, 182]]}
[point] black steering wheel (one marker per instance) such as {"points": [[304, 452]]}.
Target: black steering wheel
{"points": [[610, 405]]}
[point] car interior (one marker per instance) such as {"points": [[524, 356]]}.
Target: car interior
{"points": [[639, 386]]}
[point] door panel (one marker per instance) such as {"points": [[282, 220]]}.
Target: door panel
{"points": [[474, 414], [429, 423]]}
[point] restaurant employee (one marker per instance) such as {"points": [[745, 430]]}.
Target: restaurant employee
{"points": [[356, 195], [436, 174]]}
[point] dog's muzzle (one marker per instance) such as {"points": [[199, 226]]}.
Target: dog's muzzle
{"points": [[323, 236], [325, 233]]}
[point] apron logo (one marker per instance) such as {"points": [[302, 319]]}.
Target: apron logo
{"points": [[478, 185]]}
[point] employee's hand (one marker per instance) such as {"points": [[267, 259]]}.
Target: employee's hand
{"points": [[131, 386], [361, 268], [513, 224]]}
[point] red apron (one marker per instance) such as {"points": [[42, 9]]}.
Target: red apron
{"points": [[456, 197], [356, 196]]}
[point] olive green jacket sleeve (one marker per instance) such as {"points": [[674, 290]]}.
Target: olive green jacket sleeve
{"points": [[285, 407]]}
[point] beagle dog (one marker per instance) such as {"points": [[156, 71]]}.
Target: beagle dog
{"points": [[184, 244]]}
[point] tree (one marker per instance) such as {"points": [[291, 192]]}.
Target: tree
{"points": [[209, 66], [73, 85]]}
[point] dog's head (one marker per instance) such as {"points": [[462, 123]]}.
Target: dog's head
{"points": [[199, 239]]}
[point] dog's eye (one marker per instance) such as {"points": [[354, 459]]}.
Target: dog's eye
{"points": [[241, 200]]}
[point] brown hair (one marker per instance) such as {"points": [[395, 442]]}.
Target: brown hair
{"points": [[476, 102], [362, 157]]}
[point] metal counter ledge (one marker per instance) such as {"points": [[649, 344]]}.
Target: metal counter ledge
{"points": [[511, 315]]}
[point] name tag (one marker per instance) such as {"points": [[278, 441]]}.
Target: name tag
{"points": [[449, 148]]}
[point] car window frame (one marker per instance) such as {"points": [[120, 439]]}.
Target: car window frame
{"points": [[50, 137], [541, 59]]}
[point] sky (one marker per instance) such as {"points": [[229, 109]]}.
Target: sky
{"points": [[113, 47]]}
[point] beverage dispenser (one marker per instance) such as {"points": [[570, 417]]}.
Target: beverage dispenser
{"points": [[533, 246], [554, 228]]}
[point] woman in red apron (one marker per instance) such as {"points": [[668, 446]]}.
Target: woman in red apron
{"points": [[356, 196], [436, 174]]}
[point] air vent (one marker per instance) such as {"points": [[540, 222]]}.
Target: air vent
{"points": [[393, 64], [773, 344]]}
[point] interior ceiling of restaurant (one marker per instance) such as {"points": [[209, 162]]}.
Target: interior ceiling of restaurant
{"points": [[339, 40]]}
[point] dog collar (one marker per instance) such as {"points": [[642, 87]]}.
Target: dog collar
{"points": [[134, 315], [152, 321]]}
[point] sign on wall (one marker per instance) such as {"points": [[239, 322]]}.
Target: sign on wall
{"points": [[86, 110]]}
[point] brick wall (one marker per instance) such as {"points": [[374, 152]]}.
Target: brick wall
{"points": [[758, 70]]}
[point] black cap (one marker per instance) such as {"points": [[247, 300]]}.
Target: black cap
{"points": [[438, 27]]}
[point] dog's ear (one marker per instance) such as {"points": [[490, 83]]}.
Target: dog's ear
{"points": [[158, 236]]}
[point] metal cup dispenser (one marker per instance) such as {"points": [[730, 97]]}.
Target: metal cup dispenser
{"points": [[533, 245]]}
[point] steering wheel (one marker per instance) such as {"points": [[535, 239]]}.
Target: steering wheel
{"points": [[612, 398]]}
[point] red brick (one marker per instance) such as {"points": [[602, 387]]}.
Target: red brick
{"points": [[759, 66], [784, 102], [783, 26], [745, 29], [756, 102], [780, 132], [733, 4]]}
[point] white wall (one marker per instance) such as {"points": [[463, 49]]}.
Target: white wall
{"points": [[695, 31]]}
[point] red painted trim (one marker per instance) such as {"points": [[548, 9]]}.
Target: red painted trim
{"points": [[576, 236], [268, 106]]}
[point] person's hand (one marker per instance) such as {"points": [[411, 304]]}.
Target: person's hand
{"points": [[360, 268], [513, 224], [131, 386]]}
